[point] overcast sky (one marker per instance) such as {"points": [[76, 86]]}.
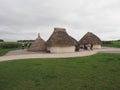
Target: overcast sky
{"points": [[23, 19]]}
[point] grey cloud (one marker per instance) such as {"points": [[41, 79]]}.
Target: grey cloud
{"points": [[23, 19]]}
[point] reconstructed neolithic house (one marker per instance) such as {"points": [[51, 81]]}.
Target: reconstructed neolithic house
{"points": [[38, 45], [90, 39], [60, 42]]}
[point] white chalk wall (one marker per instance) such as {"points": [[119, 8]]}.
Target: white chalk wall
{"points": [[96, 46], [61, 49]]}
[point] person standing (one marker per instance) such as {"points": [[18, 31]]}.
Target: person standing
{"points": [[85, 47], [23, 45], [28, 45], [91, 47]]}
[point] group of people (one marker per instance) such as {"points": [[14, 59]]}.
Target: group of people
{"points": [[85, 47], [25, 45], [88, 47]]}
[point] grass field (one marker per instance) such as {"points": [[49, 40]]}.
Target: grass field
{"points": [[4, 51], [97, 72], [112, 44], [5, 47]]}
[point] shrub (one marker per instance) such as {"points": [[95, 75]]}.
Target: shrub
{"points": [[7, 45], [25, 41], [1, 40], [107, 42]]}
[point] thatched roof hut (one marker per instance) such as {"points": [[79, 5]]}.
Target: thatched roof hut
{"points": [[90, 38], [38, 45], [60, 39]]}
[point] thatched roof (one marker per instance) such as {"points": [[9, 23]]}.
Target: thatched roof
{"points": [[38, 45], [61, 38], [90, 38]]}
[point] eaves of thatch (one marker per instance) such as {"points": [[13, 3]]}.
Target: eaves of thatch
{"points": [[90, 38], [60, 38]]}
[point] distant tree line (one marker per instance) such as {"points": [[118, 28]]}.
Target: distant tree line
{"points": [[8, 45], [106, 42], [1, 40], [110, 42], [25, 40]]}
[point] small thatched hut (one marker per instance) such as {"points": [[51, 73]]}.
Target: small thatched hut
{"points": [[60, 42], [89, 39], [38, 45]]}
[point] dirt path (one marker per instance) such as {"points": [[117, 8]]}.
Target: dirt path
{"points": [[108, 50], [24, 54], [46, 55]]}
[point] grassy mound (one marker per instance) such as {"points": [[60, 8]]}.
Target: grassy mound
{"points": [[97, 72]]}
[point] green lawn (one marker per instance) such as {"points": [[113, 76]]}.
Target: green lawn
{"points": [[4, 51], [5, 47], [112, 44], [97, 72]]}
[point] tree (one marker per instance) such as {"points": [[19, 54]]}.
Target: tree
{"points": [[1, 40]]}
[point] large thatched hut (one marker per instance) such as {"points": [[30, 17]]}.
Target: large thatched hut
{"points": [[60, 42], [90, 39], [38, 45]]}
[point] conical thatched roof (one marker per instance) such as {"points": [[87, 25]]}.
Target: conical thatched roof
{"points": [[61, 38], [38, 45], [90, 38]]}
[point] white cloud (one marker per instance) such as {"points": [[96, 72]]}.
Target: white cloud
{"points": [[23, 19]]}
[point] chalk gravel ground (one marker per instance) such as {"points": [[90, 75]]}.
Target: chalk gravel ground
{"points": [[24, 54]]}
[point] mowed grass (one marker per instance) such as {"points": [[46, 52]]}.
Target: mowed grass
{"points": [[5, 51], [97, 72], [113, 44]]}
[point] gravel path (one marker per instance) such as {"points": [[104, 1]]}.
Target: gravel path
{"points": [[108, 50], [24, 54], [46, 55]]}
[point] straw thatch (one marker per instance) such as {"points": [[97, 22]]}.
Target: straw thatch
{"points": [[90, 38], [60, 38], [38, 45]]}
